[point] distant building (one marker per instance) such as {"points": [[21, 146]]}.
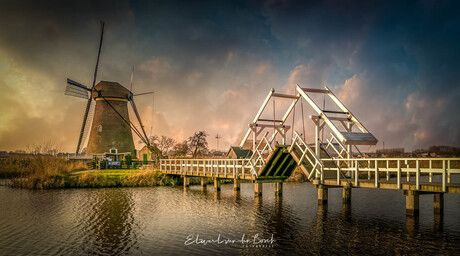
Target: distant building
{"points": [[390, 151], [216, 153], [145, 155], [238, 153]]}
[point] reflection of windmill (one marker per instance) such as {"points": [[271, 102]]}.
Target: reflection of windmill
{"points": [[217, 138], [106, 116]]}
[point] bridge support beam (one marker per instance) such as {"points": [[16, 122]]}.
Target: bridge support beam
{"points": [[203, 183], [258, 189], [279, 188], [438, 203], [216, 184], [186, 181], [412, 202], [322, 194], [236, 184], [346, 194]]}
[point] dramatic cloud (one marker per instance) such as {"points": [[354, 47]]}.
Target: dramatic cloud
{"points": [[211, 64]]}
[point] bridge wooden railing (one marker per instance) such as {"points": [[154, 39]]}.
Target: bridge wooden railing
{"points": [[415, 169], [258, 157], [228, 168], [307, 153], [341, 150]]}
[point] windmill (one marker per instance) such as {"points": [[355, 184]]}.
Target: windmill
{"points": [[106, 117]]}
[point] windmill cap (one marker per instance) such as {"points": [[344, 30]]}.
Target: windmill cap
{"points": [[111, 90]]}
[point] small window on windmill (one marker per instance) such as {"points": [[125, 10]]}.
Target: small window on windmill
{"points": [[99, 128], [113, 150]]}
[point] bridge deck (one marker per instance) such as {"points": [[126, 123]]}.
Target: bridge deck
{"points": [[433, 175], [428, 187], [210, 175]]}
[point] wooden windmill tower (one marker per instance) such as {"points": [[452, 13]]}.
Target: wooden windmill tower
{"points": [[106, 117]]}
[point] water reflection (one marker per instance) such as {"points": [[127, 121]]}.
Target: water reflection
{"points": [[346, 213], [156, 221], [217, 195], [438, 223], [412, 223], [109, 225], [237, 194]]}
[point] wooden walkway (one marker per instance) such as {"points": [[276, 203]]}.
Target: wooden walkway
{"points": [[413, 176], [427, 187]]}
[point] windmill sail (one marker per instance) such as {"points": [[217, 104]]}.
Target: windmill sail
{"points": [[82, 132], [76, 89], [89, 122]]}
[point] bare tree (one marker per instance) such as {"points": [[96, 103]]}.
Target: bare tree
{"points": [[181, 148], [165, 144], [198, 144], [162, 144], [45, 148]]}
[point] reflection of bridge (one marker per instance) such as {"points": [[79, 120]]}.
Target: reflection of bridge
{"points": [[329, 163]]}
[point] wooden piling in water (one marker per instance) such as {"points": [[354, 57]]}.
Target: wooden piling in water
{"points": [[279, 188], [412, 202], [438, 203], [258, 189], [346, 194], [322, 194], [236, 184], [216, 184], [186, 181]]}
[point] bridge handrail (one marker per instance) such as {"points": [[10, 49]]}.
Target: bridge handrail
{"points": [[206, 167], [258, 154], [396, 165], [330, 142], [317, 166]]}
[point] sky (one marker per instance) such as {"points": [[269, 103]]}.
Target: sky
{"points": [[395, 65]]}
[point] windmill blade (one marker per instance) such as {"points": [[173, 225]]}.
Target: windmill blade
{"points": [[89, 123], [76, 89], [82, 131], [144, 93], [133, 105], [73, 83], [98, 55]]}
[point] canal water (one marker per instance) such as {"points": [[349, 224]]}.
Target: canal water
{"points": [[174, 221]]}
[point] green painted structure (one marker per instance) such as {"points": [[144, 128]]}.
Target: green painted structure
{"points": [[280, 165]]}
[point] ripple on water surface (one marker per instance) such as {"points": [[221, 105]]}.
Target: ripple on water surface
{"points": [[158, 220]]}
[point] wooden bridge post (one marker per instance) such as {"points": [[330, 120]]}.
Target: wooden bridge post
{"points": [[258, 189], [322, 194], [203, 183], [279, 188], [216, 184], [412, 202], [346, 194], [438, 203], [236, 184], [186, 181]]}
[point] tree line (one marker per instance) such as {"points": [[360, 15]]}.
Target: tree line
{"points": [[195, 146]]}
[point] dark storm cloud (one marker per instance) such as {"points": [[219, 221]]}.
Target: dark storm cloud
{"points": [[211, 62], [403, 53]]}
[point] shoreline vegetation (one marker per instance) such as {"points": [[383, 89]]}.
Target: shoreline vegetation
{"points": [[49, 172]]}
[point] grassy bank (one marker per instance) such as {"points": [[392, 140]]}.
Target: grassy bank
{"points": [[102, 178], [47, 172]]}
